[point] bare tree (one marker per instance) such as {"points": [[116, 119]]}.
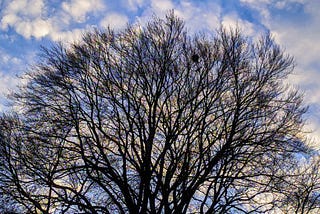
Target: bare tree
{"points": [[304, 195], [153, 120]]}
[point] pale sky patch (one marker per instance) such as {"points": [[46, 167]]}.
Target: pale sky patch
{"points": [[202, 17], [68, 35], [114, 20], [233, 21], [162, 6], [30, 8], [8, 83], [133, 5], [78, 9], [21, 10]]}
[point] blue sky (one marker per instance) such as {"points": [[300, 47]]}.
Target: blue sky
{"points": [[25, 25]]}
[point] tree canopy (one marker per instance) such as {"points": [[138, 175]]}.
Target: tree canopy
{"points": [[152, 119]]}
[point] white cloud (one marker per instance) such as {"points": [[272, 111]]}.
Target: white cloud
{"points": [[295, 27], [199, 17], [257, 2], [9, 19], [300, 39], [67, 35], [260, 5], [114, 20], [30, 18], [8, 60], [301, 42], [233, 21], [133, 5], [7, 82], [313, 132], [37, 28], [25, 17], [78, 9], [161, 6], [29, 8]]}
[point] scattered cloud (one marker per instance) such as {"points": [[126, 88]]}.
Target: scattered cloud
{"points": [[199, 16], [8, 83], [133, 5], [114, 20], [30, 18], [26, 17], [160, 7], [67, 36], [78, 9], [233, 21], [6, 59], [27, 8], [296, 28], [37, 28]]}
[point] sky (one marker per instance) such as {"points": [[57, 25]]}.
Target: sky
{"points": [[26, 25]]}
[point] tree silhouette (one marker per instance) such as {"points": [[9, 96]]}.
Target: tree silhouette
{"points": [[127, 122]]}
